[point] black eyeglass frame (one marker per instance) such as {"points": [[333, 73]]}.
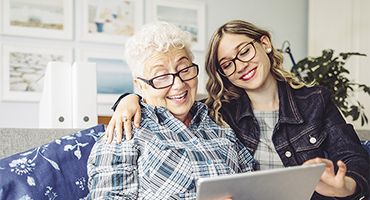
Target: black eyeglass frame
{"points": [[221, 71], [150, 81]]}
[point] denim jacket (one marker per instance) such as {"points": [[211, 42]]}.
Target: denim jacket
{"points": [[309, 126]]}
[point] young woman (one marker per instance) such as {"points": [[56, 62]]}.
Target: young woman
{"points": [[282, 122]]}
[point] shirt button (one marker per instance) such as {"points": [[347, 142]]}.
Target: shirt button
{"points": [[288, 154], [313, 140], [209, 162]]}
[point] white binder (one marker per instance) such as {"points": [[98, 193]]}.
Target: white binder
{"points": [[55, 108], [84, 95], [69, 98]]}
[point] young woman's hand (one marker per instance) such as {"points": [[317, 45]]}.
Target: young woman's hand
{"points": [[331, 184], [127, 108]]}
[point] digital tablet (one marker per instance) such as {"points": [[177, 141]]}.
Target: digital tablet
{"points": [[291, 183]]}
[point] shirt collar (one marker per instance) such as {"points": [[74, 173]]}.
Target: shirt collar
{"points": [[158, 113]]}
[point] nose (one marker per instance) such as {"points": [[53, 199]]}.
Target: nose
{"points": [[240, 66], [177, 83]]}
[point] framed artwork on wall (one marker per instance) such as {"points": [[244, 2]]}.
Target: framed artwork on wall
{"points": [[1, 17], [113, 74], [110, 21], [24, 68], [38, 18], [188, 15]]}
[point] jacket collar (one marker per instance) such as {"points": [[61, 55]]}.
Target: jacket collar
{"points": [[288, 110]]}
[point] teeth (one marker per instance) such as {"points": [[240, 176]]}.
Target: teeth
{"points": [[249, 74], [178, 97]]}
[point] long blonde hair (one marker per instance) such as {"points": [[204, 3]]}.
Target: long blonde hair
{"points": [[219, 88]]}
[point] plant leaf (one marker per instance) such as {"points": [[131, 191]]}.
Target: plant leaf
{"points": [[329, 71]]}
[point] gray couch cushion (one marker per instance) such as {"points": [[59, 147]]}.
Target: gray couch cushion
{"points": [[364, 135], [16, 140]]}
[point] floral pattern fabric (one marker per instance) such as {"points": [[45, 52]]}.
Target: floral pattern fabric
{"points": [[366, 145], [57, 170]]}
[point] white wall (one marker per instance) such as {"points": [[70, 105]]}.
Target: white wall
{"points": [[346, 28], [286, 19]]}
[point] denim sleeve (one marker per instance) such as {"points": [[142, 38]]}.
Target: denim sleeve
{"points": [[112, 170], [121, 97], [342, 143]]}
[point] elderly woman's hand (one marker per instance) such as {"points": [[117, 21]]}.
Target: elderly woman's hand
{"points": [[128, 107], [331, 184]]}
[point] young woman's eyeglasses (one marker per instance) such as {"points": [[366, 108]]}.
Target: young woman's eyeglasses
{"points": [[166, 80], [245, 54]]}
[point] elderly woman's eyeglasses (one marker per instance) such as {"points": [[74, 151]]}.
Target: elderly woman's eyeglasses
{"points": [[166, 80], [245, 54]]}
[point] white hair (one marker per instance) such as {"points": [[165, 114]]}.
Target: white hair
{"points": [[158, 36]]}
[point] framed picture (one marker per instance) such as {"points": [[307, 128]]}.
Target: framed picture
{"points": [[38, 18], [1, 17], [24, 68], [188, 15], [113, 74], [110, 21]]}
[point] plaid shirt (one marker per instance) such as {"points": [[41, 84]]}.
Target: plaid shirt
{"points": [[265, 153], [164, 158]]}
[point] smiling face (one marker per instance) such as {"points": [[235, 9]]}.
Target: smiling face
{"points": [[179, 97], [254, 74]]}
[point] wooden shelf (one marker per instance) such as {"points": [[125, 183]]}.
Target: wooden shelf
{"points": [[104, 120]]}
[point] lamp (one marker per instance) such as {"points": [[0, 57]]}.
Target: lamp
{"points": [[288, 51]]}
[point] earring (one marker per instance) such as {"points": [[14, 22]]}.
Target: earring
{"points": [[269, 50]]}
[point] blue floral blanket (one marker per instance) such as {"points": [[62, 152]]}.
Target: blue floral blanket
{"points": [[57, 170]]}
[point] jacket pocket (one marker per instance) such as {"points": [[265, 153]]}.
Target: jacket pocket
{"points": [[309, 144]]}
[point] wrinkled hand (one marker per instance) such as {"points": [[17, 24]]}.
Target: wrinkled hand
{"points": [[331, 184], [128, 107]]}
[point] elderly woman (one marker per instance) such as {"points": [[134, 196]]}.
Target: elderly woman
{"points": [[177, 141]]}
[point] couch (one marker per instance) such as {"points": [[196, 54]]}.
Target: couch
{"points": [[45, 163], [51, 163]]}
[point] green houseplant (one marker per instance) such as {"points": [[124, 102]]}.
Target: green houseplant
{"points": [[328, 71]]}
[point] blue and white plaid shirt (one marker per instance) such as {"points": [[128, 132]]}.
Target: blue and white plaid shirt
{"points": [[164, 158]]}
